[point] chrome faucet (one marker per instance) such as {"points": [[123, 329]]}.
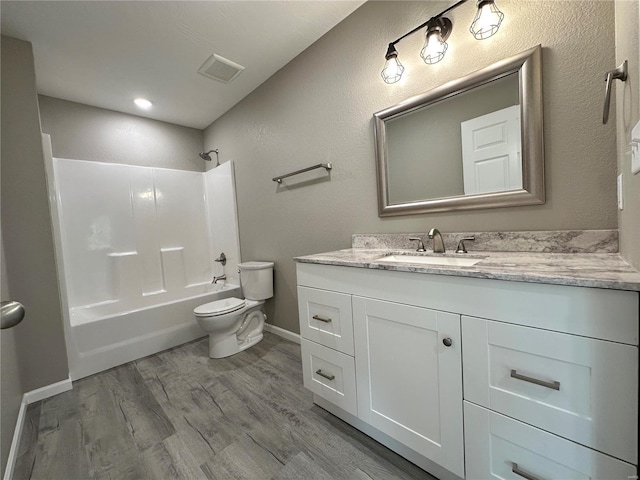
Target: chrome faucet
{"points": [[438, 244], [221, 277]]}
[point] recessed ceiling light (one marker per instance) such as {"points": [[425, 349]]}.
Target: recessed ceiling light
{"points": [[143, 103]]}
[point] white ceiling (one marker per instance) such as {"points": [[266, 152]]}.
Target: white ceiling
{"points": [[106, 53]]}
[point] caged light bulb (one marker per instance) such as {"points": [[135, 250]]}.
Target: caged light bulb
{"points": [[434, 46], [393, 69], [487, 20]]}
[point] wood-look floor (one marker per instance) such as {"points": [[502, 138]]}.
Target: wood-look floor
{"points": [[179, 414]]}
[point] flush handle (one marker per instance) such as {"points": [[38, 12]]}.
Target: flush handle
{"points": [[620, 73]]}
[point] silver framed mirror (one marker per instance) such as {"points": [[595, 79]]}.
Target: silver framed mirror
{"points": [[475, 142]]}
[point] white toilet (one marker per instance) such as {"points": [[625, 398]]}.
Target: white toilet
{"points": [[234, 324]]}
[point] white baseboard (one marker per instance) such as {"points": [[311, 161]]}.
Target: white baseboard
{"points": [[47, 391], [27, 399], [281, 332], [15, 443]]}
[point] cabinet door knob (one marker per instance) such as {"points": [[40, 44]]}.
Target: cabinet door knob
{"points": [[447, 342]]}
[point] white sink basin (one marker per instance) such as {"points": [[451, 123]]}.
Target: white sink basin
{"points": [[426, 260]]}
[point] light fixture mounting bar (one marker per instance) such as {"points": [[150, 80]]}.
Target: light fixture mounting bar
{"points": [[422, 25]]}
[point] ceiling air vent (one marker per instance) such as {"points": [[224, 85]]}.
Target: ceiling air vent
{"points": [[220, 69]]}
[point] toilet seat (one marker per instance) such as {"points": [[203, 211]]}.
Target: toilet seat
{"points": [[219, 307]]}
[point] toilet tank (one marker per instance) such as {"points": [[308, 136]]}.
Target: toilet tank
{"points": [[256, 279]]}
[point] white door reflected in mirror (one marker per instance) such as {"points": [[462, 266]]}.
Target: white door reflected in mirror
{"points": [[491, 152]]}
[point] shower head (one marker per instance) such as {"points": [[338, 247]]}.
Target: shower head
{"points": [[206, 156]]}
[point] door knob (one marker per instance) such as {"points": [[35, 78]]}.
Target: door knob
{"points": [[447, 342], [11, 314]]}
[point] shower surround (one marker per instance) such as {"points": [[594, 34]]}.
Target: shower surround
{"points": [[135, 249]]}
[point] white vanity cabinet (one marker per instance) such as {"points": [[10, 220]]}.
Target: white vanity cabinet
{"points": [[326, 327], [408, 364], [409, 383], [498, 447], [579, 388], [475, 378]]}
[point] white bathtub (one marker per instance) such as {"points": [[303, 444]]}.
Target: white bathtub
{"points": [[135, 249], [112, 333]]}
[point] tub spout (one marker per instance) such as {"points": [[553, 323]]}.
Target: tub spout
{"points": [[217, 279]]}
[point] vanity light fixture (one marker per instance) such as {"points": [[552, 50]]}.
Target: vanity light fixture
{"points": [[487, 20], [143, 103], [435, 46], [392, 71], [485, 24]]}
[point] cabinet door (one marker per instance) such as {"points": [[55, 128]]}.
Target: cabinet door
{"points": [[498, 447], [409, 382], [580, 388]]}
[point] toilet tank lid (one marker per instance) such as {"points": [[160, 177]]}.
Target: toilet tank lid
{"points": [[255, 265]]}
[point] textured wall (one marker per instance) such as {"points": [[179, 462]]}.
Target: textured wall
{"points": [[26, 223], [11, 383], [627, 115], [83, 132], [319, 108]]}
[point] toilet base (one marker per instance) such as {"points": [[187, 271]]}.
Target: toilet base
{"points": [[249, 334], [225, 347]]}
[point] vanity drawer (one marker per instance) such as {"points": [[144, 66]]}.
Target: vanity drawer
{"points": [[330, 374], [580, 388], [502, 448], [326, 318]]}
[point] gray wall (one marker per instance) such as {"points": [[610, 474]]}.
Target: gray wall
{"points": [[26, 233], [319, 108], [10, 381], [627, 115], [90, 133]]}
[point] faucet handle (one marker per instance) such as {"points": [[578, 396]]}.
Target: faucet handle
{"points": [[420, 244], [461, 247], [222, 259]]}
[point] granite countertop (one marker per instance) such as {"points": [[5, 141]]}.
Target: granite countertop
{"points": [[598, 270]]}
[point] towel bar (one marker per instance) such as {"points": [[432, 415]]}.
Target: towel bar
{"points": [[326, 166]]}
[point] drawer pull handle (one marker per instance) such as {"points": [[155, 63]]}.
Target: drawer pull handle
{"points": [[515, 469], [551, 385], [321, 319], [328, 376]]}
